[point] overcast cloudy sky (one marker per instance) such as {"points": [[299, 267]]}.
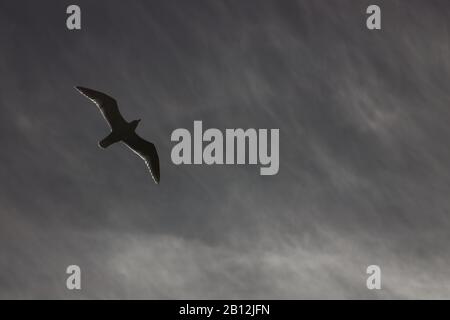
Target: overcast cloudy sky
{"points": [[364, 149]]}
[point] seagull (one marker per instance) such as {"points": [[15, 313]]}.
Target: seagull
{"points": [[123, 131]]}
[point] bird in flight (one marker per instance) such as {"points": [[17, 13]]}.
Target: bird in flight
{"points": [[123, 131]]}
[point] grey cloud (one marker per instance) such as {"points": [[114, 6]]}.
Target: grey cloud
{"points": [[364, 160]]}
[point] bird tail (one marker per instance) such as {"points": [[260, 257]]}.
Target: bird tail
{"points": [[109, 140]]}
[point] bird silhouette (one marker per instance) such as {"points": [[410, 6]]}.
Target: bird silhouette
{"points": [[123, 131]]}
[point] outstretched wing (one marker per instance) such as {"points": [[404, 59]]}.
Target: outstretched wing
{"points": [[107, 105], [146, 151]]}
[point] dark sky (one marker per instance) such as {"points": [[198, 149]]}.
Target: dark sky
{"points": [[364, 149]]}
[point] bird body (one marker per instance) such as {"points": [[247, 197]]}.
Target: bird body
{"points": [[119, 134], [123, 131]]}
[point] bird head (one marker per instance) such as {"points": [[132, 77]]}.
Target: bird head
{"points": [[135, 123]]}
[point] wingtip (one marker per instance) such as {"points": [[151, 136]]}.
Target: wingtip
{"points": [[88, 93], [79, 89]]}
